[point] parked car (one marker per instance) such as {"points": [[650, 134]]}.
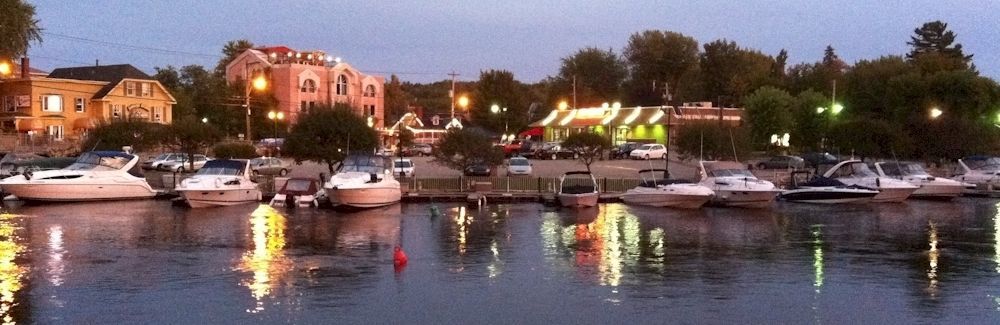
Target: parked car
{"points": [[556, 151], [270, 145], [478, 170], [623, 150], [518, 166], [512, 148], [419, 149], [269, 166], [155, 162], [649, 151], [782, 162], [182, 165], [528, 148], [815, 159], [402, 167]]}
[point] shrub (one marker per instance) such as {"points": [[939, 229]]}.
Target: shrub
{"points": [[234, 150]]}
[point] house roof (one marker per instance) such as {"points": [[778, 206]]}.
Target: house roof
{"points": [[112, 74]]}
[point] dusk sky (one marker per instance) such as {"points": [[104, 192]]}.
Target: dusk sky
{"points": [[423, 40]]}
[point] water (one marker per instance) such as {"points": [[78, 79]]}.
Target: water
{"points": [[150, 262]]}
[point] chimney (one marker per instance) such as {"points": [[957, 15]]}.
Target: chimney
{"points": [[25, 68]]}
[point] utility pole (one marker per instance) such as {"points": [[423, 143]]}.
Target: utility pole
{"points": [[666, 102], [452, 93], [574, 91], [246, 97]]}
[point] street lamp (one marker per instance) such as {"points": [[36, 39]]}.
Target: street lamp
{"points": [[463, 102], [5, 69], [834, 110], [935, 113], [259, 83], [275, 117], [503, 111], [204, 120]]}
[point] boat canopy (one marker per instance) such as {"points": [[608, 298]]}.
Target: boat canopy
{"points": [[223, 167], [299, 186], [101, 160], [902, 169], [982, 163], [726, 168], [365, 164], [854, 169]]}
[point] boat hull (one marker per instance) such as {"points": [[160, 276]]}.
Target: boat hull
{"points": [[744, 198], [578, 200], [893, 195], [680, 201], [54, 192], [938, 192], [205, 198], [828, 196], [370, 197]]}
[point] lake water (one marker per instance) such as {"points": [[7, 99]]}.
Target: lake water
{"points": [[150, 262]]}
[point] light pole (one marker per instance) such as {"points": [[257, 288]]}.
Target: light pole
{"points": [[259, 83], [275, 117], [832, 111], [503, 111]]}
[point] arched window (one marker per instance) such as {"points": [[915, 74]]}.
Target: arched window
{"points": [[308, 86], [369, 91], [342, 85]]}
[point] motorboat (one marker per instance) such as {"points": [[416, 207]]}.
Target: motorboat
{"points": [[578, 189], [297, 192], [982, 172], [220, 182], [734, 185], [667, 193], [93, 176], [929, 187], [855, 172], [827, 191], [363, 181]]}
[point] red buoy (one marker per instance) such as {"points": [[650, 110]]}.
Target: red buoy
{"points": [[399, 257]]}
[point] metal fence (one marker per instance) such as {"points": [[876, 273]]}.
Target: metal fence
{"points": [[506, 184]]}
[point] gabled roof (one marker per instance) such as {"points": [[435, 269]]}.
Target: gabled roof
{"points": [[112, 74]]}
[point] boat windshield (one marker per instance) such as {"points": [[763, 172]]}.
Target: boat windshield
{"points": [[364, 164], [730, 173], [223, 167], [93, 161], [988, 164], [857, 169], [903, 169]]}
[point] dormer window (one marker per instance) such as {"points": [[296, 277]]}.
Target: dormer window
{"points": [[308, 86], [342, 85], [369, 91], [129, 88]]}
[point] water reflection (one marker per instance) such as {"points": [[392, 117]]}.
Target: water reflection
{"points": [[57, 267], [932, 257], [817, 244], [12, 274], [600, 246], [267, 259]]}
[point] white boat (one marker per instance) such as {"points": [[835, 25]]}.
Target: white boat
{"points": [[828, 191], [667, 193], [363, 181], [929, 187], [578, 189], [221, 182], [982, 172], [855, 172], [734, 185], [95, 176]]}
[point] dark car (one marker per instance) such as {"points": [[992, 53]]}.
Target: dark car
{"points": [[622, 150], [781, 162], [528, 148], [815, 159], [478, 170], [555, 150]]}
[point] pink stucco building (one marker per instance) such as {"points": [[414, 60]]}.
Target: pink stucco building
{"points": [[301, 80]]}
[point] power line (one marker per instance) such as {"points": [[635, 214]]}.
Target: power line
{"points": [[127, 46]]}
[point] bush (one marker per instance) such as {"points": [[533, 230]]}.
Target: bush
{"points": [[234, 151]]}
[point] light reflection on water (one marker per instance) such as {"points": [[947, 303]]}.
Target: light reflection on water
{"points": [[266, 261], [12, 274]]}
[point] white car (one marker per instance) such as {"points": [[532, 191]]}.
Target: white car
{"points": [[402, 167], [649, 151], [518, 166], [155, 162], [182, 165]]}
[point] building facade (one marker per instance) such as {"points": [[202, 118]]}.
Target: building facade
{"points": [[622, 124], [301, 80], [68, 102]]}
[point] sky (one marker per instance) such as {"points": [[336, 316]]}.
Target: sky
{"points": [[422, 41]]}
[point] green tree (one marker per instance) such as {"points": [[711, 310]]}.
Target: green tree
{"points": [[230, 51], [867, 86], [865, 137], [818, 76], [328, 134], [498, 87], [190, 136], [141, 136], [588, 146], [934, 37], [397, 100], [709, 141], [657, 58], [809, 126], [18, 28], [733, 72], [768, 111], [599, 75], [461, 148]]}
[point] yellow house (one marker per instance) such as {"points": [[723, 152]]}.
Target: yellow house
{"points": [[70, 101]]}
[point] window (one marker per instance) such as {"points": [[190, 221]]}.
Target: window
{"points": [[116, 111], [371, 110], [370, 91], [342, 85], [308, 86], [129, 88], [79, 104], [312, 105], [157, 114], [54, 131], [304, 107], [9, 104], [147, 89], [52, 103]]}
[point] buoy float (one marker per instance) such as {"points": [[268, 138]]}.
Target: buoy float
{"points": [[399, 257]]}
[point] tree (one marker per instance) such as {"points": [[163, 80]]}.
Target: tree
{"points": [[498, 87], [809, 126], [599, 75], [405, 140], [733, 72], [768, 111], [328, 134], [230, 51], [397, 100], [935, 38], [588, 146], [867, 137], [709, 141], [462, 148], [141, 136], [867, 86], [657, 58], [18, 28], [189, 135]]}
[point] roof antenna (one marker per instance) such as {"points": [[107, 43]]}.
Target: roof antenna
{"points": [[97, 62]]}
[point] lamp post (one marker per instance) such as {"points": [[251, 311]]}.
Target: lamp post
{"points": [[834, 110], [6, 69], [496, 109], [275, 117], [259, 83]]}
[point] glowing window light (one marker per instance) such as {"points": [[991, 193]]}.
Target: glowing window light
{"points": [[550, 118], [631, 117], [568, 118], [613, 115], [656, 116]]}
